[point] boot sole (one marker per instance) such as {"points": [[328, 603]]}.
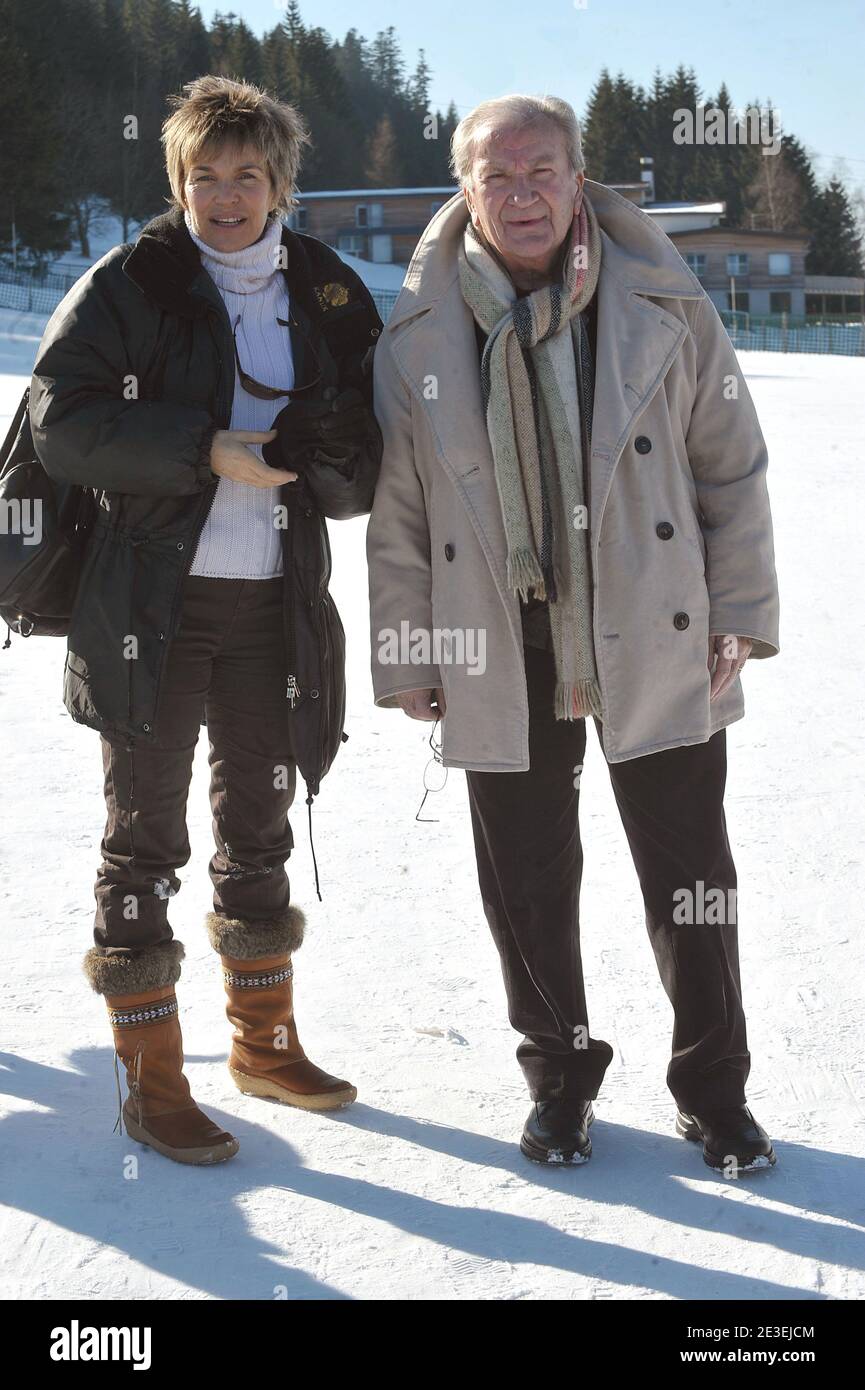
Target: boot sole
{"points": [[721, 1161], [571, 1157], [204, 1156], [269, 1090]]}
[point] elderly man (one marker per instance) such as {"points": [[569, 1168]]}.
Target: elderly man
{"points": [[574, 472]]}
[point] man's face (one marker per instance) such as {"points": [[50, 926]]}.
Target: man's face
{"points": [[523, 194], [229, 195]]}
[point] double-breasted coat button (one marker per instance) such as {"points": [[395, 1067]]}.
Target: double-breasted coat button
{"points": [[664, 530], [681, 621], [642, 444], [449, 551]]}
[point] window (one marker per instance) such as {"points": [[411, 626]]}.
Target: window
{"points": [[369, 215], [743, 301], [300, 219], [355, 245], [696, 261], [779, 302], [737, 263], [779, 262]]}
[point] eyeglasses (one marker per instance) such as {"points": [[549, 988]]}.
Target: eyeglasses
{"points": [[273, 393], [433, 782]]}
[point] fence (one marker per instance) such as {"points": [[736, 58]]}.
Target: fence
{"points": [[783, 333], [31, 293], [384, 302]]}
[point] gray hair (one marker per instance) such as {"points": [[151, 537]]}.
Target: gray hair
{"points": [[509, 113]]}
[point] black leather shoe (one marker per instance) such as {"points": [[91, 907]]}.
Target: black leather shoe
{"points": [[732, 1139], [557, 1131]]}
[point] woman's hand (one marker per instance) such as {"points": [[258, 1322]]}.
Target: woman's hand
{"points": [[230, 458]]}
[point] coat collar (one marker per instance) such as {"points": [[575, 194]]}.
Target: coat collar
{"points": [[635, 252], [431, 335], [166, 265]]}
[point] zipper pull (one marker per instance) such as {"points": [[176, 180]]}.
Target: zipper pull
{"points": [[293, 691]]}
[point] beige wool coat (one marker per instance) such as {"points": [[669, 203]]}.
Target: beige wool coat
{"points": [[675, 439]]}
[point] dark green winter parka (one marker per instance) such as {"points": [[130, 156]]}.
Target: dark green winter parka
{"points": [[134, 375]]}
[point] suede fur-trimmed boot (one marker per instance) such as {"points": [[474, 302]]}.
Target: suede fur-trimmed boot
{"points": [[159, 1110], [267, 1058]]}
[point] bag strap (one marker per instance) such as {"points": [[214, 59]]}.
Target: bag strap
{"points": [[14, 428]]}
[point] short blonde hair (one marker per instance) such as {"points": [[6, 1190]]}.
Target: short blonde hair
{"points": [[213, 110], [510, 113]]}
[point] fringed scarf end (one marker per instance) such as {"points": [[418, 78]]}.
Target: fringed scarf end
{"points": [[578, 699], [524, 574]]}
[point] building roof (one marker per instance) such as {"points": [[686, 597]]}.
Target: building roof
{"points": [[376, 192], [717, 208], [793, 234]]}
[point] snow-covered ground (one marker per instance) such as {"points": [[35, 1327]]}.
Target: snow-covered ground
{"points": [[418, 1190]]}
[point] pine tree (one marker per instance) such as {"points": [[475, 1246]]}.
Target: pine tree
{"points": [[836, 247], [614, 130], [731, 165], [387, 63], [417, 87], [28, 164]]}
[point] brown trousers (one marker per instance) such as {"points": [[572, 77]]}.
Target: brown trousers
{"points": [[226, 664]]}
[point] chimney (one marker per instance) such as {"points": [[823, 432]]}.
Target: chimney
{"points": [[647, 177]]}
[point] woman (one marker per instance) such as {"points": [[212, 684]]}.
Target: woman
{"points": [[203, 594]]}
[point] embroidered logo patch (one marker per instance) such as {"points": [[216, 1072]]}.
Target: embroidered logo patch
{"points": [[332, 295]]}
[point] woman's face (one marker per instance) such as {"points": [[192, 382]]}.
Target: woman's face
{"points": [[229, 195]]}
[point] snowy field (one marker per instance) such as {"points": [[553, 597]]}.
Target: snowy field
{"points": [[419, 1191]]}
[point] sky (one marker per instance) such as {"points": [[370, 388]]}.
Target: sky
{"points": [[807, 58]]}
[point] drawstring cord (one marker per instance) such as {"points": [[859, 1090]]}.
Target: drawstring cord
{"points": [[119, 1120], [134, 1085], [8, 642], [311, 846]]}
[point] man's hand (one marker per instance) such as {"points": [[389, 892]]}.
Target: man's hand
{"points": [[230, 458], [422, 704], [732, 653]]}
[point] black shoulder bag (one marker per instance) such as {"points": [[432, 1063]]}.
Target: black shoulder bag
{"points": [[43, 526]]}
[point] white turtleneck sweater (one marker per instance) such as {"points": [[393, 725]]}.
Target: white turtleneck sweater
{"points": [[239, 539]]}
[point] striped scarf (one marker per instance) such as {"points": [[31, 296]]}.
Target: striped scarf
{"points": [[531, 404]]}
